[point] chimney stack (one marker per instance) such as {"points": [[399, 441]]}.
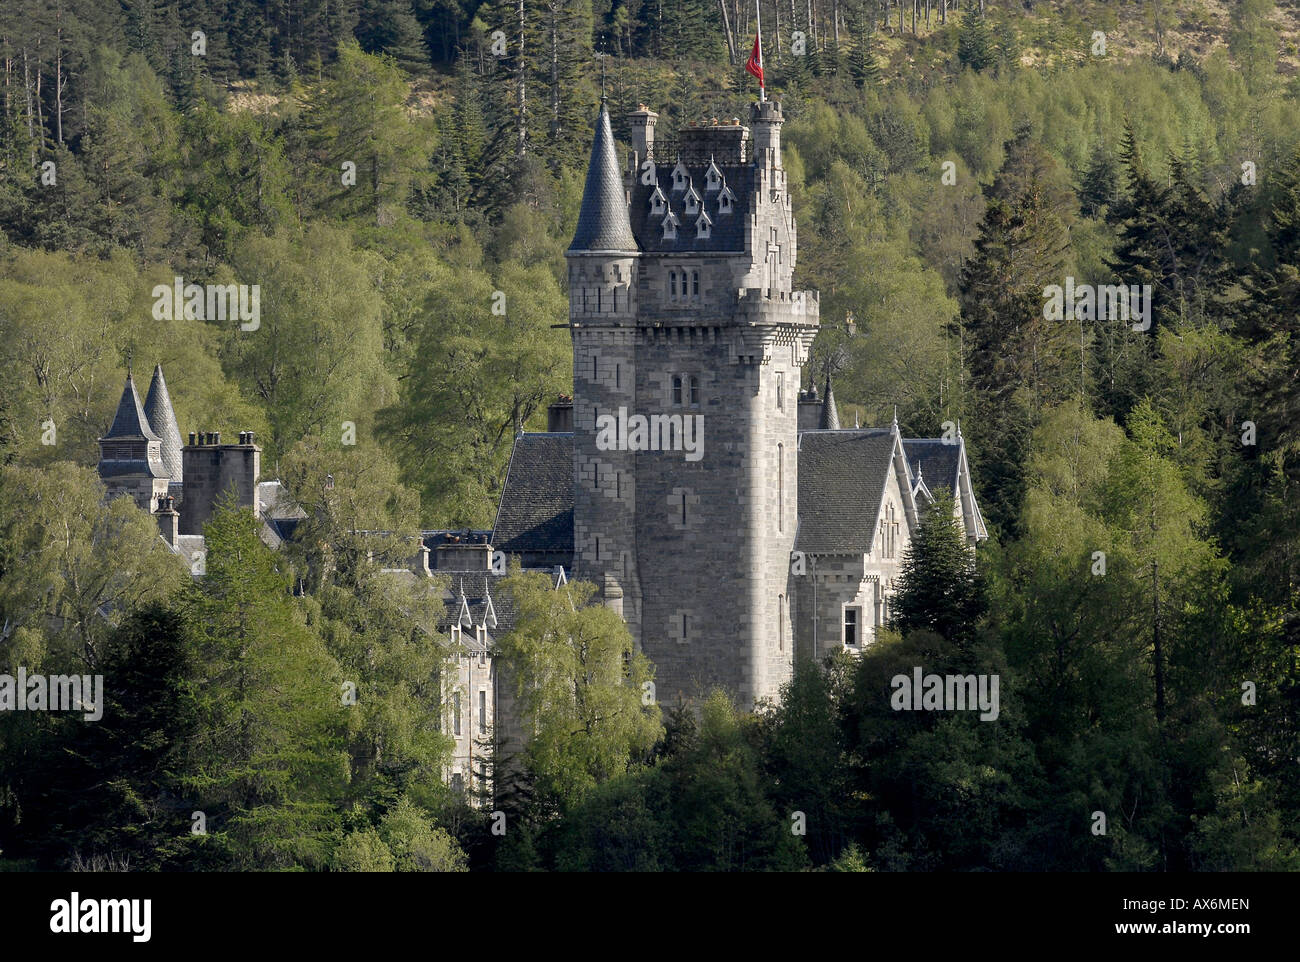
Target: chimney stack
{"points": [[559, 416], [210, 470], [168, 519]]}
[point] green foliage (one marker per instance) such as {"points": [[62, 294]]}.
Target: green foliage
{"points": [[266, 763], [579, 684], [939, 589], [975, 46]]}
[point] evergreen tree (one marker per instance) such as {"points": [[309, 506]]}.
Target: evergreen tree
{"points": [[938, 588], [975, 42], [862, 62], [264, 765], [1018, 360]]}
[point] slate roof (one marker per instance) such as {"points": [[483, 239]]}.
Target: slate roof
{"points": [[830, 416], [728, 231], [841, 480], [130, 422], [536, 510], [602, 220], [477, 586], [162, 419], [935, 460]]}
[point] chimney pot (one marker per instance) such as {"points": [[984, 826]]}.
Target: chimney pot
{"points": [[216, 437], [192, 438]]}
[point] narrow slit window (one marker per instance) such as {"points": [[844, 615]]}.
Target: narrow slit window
{"points": [[780, 487]]}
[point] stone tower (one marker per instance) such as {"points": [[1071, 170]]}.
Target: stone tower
{"points": [[682, 313]]}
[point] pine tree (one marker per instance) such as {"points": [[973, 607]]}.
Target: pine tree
{"points": [[938, 588], [265, 763], [862, 62], [974, 42], [1018, 360], [1100, 186]]}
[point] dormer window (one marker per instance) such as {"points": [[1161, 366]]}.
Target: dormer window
{"points": [[658, 203], [712, 177], [725, 200], [670, 226], [692, 201], [680, 177], [703, 226]]}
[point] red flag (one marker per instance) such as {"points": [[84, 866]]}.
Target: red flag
{"points": [[755, 63]]}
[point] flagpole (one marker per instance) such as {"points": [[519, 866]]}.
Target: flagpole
{"points": [[758, 17]]}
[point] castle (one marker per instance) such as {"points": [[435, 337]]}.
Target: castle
{"points": [[714, 501]]}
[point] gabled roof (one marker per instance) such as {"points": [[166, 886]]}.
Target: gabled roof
{"points": [[130, 422], [603, 223], [842, 477], [936, 459], [480, 597], [162, 419], [943, 464], [536, 510]]}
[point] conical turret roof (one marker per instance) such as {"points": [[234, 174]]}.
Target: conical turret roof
{"points": [[603, 223], [830, 419], [162, 419], [130, 422]]}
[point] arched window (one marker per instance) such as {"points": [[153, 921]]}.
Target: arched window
{"points": [[695, 391], [695, 283], [677, 389], [672, 284]]}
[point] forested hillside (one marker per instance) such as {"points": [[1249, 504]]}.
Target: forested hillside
{"points": [[389, 171]]}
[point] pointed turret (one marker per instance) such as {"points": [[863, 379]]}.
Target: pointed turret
{"points": [[130, 421], [162, 419], [130, 457], [830, 419], [603, 224]]}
